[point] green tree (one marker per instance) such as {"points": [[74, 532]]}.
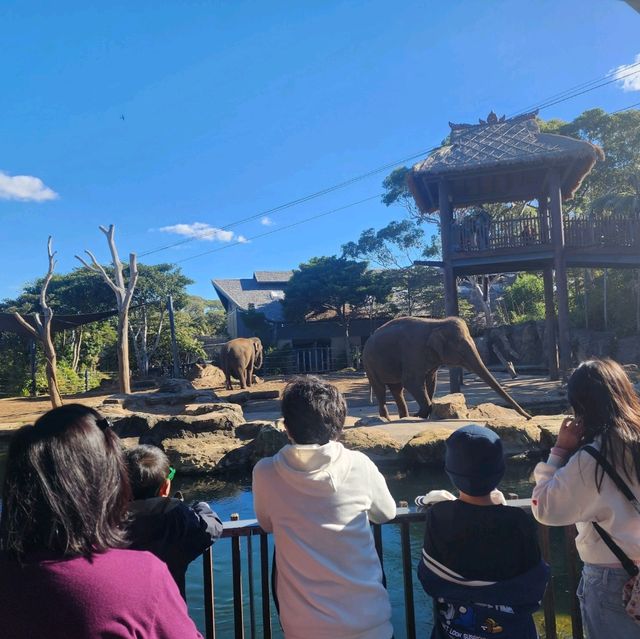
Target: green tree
{"points": [[336, 287], [524, 298]]}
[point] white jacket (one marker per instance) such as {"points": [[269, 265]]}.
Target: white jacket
{"points": [[318, 501], [566, 495]]}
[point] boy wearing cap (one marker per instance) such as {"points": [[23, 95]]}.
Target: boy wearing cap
{"points": [[163, 525], [480, 560]]}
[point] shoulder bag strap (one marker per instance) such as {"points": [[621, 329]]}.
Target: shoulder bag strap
{"points": [[627, 563]]}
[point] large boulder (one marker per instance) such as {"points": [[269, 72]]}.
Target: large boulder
{"points": [[206, 376], [250, 430], [212, 407], [489, 411], [452, 406], [207, 453], [223, 422], [175, 385], [374, 443], [426, 448], [268, 442], [134, 425]]}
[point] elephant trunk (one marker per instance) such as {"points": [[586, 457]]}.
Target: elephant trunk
{"points": [[476, 365], [258, 364]]}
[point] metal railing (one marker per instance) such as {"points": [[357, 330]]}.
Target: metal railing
{"points": [[245, 605], [295, 361]]}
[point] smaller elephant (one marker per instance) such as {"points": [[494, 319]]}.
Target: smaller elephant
{"points": [[240, 357]]}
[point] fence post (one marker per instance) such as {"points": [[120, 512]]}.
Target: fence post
{"points": [[174, 343], [86, 380]]}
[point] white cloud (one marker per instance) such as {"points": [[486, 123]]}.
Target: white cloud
{"points": [[629, 75], [200, 231], [24, 187], [242, 239], [266, 221]]}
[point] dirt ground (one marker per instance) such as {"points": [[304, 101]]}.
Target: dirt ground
{"points": [[527, 390]]}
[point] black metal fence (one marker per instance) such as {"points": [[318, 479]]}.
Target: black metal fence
{"points": [[253, 613], [317, 359]]}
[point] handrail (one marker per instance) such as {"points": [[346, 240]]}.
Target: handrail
{"points": [[405, 517]]}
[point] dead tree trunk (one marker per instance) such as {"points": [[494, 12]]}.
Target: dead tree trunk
{"points": [[123, 294], [42, 332]]}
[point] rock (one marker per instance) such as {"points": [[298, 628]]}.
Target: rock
{"points": [[206, 376], [118, 401], [549, 426], [175, 385], [370, 421], [249, 430], [239, 398], [268, 442], [143, 384], [223, 422], [257, 380], [488, 411], [265, 394], [203, 409], [375, 444], [426, 448], [134, 425], [207, 453], [129, 442], [517, 439], [452, 406]]}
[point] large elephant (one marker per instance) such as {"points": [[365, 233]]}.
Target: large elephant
{"points": [[240, 357], [407, 352]]}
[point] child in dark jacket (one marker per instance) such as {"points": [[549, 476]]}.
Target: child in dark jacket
{"points": [[165, 526], [480, 560]]}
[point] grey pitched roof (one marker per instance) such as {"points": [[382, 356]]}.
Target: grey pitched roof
{"points": [[272, 276], [244, 292]]}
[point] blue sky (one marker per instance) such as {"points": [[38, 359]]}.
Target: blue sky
{"points": [[232, 108]]}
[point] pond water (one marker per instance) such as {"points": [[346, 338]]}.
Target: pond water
{"points": [[234, 496]]}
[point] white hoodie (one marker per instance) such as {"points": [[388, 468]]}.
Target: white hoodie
{"points": [[318, 501]]}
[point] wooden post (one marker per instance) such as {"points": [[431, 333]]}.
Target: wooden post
{"points": [[450, 284], [32, 358], [550, 324], [174, 342], [557, 234]]}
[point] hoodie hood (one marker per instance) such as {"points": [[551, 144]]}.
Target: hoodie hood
{"points": [[313, 469]]}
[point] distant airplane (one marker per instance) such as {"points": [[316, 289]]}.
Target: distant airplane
{"points": [[122, 117]]}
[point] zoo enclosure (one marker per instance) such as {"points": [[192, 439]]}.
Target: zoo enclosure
{"points": [[253, 613]]}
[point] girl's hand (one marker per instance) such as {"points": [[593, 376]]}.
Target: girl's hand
{"points": [[570, 435]]}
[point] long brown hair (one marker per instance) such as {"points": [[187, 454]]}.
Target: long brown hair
{"points": [[605, 401], [66, 488]]}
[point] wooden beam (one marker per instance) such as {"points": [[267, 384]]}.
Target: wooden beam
{"points": [[550, 336], [562, 292], [450, 284]]}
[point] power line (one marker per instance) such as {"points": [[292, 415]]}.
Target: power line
{"points": [[299, 200], [282, 228], [635, 104], [581, 89]]}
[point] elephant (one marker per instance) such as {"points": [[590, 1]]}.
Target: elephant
{"points": [[407, 352], [239, 357]]}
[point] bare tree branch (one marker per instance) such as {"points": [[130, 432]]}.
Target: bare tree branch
{"points": [[117, 264], [26, 325], [96, 267]]}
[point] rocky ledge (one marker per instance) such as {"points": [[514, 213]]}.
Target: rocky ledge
{"points": [[213, 437]]}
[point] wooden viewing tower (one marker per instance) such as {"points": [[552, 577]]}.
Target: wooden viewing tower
{"points": [[509, 160]]}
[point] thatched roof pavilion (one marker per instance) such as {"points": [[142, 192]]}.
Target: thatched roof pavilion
{"points": [[500, 160], [509, 160]]}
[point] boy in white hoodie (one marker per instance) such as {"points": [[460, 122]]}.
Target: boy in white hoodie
{"points": [[317, 498]]}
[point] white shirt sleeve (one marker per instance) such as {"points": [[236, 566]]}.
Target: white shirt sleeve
{"points": [[383, 506], [565, 495], [260, 498]]}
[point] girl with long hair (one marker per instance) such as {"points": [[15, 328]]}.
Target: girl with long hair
{"points": [[596, 454], [64, 568]]}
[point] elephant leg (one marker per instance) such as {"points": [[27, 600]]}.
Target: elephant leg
{"points": [[227, 376], [398, 395], [431, 381], [380, 392], [418, 389], [242, 377], [249, 375]]}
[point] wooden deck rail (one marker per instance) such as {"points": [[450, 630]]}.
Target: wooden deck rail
{"points": [[249, 530], [471, 235]]}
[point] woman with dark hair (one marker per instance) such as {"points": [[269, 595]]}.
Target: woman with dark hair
{"points": [[592, 479], [64, 568]]}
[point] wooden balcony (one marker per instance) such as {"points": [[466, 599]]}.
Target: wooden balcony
{"points": [[525, 243]]}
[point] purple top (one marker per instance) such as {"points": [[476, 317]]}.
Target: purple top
{"points": [[116, 594]]}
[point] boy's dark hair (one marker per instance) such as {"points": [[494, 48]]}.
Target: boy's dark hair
{"points": [[148, 469], [66, 488], [313, 410]]}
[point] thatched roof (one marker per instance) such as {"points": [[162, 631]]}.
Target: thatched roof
{"points": [[513, 148]]}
